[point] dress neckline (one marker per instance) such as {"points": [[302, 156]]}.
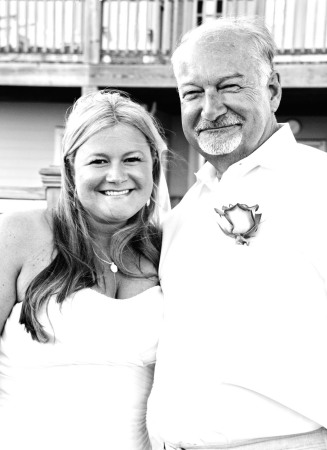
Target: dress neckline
{"points": [[120, 299]]}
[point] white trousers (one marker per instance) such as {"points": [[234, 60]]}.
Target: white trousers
{"points": [[314, 440]]}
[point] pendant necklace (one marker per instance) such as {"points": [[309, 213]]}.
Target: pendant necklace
{"points": [[112, 266]]}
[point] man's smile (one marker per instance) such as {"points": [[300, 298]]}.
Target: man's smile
{"points": [[220, 128]]}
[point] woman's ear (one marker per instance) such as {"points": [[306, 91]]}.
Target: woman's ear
{"points": [[275, 91]]}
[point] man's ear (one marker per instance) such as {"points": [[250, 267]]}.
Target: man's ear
{"points": [[275, 91]]}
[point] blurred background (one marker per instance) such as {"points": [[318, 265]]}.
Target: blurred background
{"points": [[53, 51]]}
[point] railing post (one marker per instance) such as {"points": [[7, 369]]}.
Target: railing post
{"points": [[51, 179], [92, 31], [260, 8]]}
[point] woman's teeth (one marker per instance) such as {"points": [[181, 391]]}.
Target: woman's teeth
{"points": [[113, 193]]}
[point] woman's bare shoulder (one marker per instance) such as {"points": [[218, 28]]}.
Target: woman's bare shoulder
{"points": [[21, 228], [31, 219]]}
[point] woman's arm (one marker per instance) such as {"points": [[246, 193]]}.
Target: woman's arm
{"points": [[15, 239]]}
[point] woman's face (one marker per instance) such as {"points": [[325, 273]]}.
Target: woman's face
{"points": [[113, 174]]}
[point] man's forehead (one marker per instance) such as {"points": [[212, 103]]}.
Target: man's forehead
{"points": [[225, 44], [209, 39], [214, 63]]}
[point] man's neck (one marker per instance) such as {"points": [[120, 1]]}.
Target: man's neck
{"points": [[222, 162]]}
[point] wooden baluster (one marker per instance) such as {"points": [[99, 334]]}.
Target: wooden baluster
{"points": [[136, 26], [63, 26], [54, 25], [17, 26], [224, 8], [7, 25], [273, 27], [260, 8], [175, 23], [315, 28], [73, 24], [195, 13], [26, 39], [324, 46], [156, 26], [45, 23], [127, 25], [283, 37], [166, 27], [118, 26], [35, 25], [81, 24], [303, 23], [299, 26], [92, 27], [185, 25]]}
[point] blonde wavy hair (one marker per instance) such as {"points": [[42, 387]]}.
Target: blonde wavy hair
{"points": [[74, 262]]}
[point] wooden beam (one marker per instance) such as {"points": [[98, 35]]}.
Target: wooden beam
{"points": [[91, 76], [22, 193], [303, 75], [43, 74], [133, 75]]}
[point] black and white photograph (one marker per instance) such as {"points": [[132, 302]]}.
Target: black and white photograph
{"points": [[163, 220]]}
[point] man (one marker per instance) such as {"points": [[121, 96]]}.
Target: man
{"points": [[242, 357]]}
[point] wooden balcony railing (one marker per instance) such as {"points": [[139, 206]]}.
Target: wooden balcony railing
{"points": [[143, 31], [52, 29]]}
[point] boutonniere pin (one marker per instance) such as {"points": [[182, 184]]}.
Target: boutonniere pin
{"points": [[239, 221]]}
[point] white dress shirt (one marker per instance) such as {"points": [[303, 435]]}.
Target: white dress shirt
{"points": [[242, 353]]}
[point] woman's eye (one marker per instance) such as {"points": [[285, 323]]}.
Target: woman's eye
{"points": [[132, 159], [98, 161]]}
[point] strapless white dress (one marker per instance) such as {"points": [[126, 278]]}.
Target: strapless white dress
{"points": [[88, 387]]}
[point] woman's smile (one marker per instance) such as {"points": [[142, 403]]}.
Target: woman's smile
{"points": [[114, 193], [116, 162]]}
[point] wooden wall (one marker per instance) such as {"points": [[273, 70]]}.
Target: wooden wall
{"points": [[27, 140]]}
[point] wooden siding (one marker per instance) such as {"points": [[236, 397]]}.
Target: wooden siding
{"points": [[27, 144]]}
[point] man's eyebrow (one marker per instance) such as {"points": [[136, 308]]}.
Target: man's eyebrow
{"points": [[219, 80], [228, 77]]}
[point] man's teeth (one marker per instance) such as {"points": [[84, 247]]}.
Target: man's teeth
{"points": [[113, 193]]}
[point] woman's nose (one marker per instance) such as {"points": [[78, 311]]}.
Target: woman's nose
{"points": [[213, 106], [116, 173]]}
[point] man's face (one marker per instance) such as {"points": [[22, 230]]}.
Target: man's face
{"points": [[227, 111]]}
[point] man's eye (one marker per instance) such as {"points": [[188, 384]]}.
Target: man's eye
{"points": [[231, 87], [190, 95]]}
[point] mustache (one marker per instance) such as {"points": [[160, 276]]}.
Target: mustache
{"points": [[224, 121]]}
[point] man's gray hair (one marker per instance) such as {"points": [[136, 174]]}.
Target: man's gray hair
{"points": [[262, 46]]}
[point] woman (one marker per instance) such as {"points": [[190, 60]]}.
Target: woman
{"points": [[80, 302]]}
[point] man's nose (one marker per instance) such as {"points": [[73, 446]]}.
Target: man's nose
{"points": [[116, 173], [213, 106]]}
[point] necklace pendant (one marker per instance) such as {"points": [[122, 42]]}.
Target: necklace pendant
{"points": [[113, 267]]}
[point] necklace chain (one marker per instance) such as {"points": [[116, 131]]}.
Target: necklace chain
{"points": [[113, 267]]}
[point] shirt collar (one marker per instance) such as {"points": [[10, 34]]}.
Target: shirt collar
{"points": [[207, 175], [272, 152], [270, 155]]}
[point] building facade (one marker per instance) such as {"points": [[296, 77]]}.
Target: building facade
{"points": [[52, 51]]}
